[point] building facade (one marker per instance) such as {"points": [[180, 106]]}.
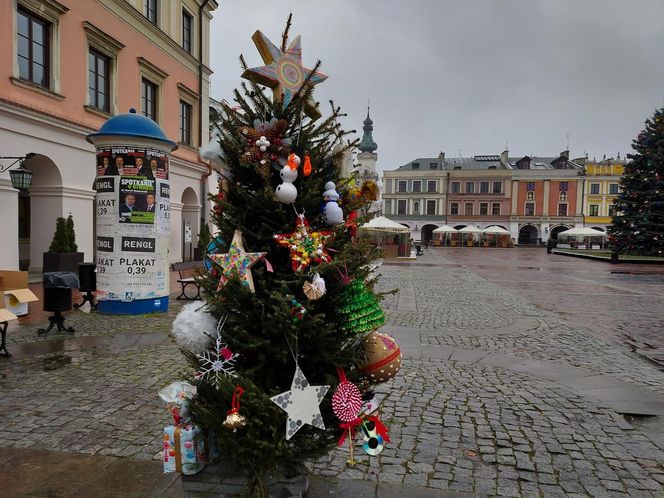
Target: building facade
{"points": [[532, 197], [66, 67], [602, 185]]}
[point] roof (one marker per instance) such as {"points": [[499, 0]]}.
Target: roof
{"points": [[477, 162], [132, 124], [483, 162]]}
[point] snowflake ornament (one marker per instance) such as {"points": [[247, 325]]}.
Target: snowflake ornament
{"points": [[217, 363]]}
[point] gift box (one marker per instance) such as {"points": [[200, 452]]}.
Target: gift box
{"points": [[185, 449]]}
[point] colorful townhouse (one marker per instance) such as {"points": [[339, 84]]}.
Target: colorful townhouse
{"points": [[602, 185], [415, 195], [534, 198], [478, 192], [67, 66]]}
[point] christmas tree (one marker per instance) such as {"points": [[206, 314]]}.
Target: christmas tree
{"points": [[277, 284], [638, 225]]}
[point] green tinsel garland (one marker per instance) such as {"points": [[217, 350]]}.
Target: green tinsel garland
{"points": [[360, 309]]}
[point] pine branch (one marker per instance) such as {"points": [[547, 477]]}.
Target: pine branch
{"points": [[284, 35]]}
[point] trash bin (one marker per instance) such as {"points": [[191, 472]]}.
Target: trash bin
{"points": [[57, 298]]}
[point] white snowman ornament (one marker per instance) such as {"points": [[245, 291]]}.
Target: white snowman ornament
{"points": [[286, 192], [333, 213]]}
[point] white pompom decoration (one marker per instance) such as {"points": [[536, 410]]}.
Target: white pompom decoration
{"points": [[194, 328]]}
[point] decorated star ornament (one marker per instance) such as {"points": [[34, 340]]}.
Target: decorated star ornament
{"points": [[306, 247], [301, 404], [237, 262], [283, 72]]}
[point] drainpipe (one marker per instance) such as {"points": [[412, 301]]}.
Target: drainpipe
{"points": [[205, 176]]}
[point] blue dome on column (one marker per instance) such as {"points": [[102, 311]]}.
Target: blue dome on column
{"points": [[132, 124]]}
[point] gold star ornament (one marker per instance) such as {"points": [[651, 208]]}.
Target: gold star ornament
{"points": [[284, 73], [236, 262]]}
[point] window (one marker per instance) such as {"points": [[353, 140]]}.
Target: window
{"points": [[187, 23], [468, 208], [33, 36], [530, 186], [484, 187], [593, 210], [99, 80], [530, 209], [454, 208], [150, 11], [594, 188], [563, 186], [416, 207], [185, 123], [457, 167], [484, 208], [402, 186], [563, 195], [417, 186], [431, 207], [612, 210], [431, 186], [530, 195], [495, 209], [456, 187], [433, 165], [416, 165], [562, 209], [470, 187], [613, 188], [149, 99], [388, 206], [497, 187], [401, 206]]}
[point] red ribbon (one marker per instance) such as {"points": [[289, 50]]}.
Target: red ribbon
{"points": [[348, 428], [380, 428], [342, 375], [175, 411], [235, 406]]}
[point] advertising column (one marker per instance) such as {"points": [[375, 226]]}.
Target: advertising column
{"points": [[132, 215]]}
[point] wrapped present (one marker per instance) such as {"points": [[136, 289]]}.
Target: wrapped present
{"points": [[185, 449]]}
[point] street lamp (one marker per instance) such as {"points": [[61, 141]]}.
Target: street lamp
{"points": [[21, 178]]}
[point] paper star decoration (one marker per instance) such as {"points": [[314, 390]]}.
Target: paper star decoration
{"points": [[237, 262], [284, 72], [301, 404], [306, 247]]}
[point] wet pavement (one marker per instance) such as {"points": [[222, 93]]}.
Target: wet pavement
{"points": [[516, 379]]}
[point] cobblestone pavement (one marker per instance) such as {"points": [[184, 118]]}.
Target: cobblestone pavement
{"points": [[454, 425]]}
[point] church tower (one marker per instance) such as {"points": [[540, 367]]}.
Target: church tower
{"points": [[367, 158]]}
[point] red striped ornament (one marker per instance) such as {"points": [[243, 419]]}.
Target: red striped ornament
{"points": [[346, 400]]}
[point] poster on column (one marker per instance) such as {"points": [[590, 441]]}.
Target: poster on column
{"points": [[133, 222]]}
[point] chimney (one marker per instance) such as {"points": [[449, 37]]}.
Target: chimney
{"points": [[441, 155], [503, 156]]}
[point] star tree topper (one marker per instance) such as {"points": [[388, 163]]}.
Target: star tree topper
{"points": [[301, 404], [237, 262], [284, 72], [306, 247]]}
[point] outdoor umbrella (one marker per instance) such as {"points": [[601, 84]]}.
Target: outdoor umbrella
{"points": [[382, 224], [470, 229], [446, 229], [497, 231]]}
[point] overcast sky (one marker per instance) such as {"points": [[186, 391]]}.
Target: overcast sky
{"points": [[468, 75]]}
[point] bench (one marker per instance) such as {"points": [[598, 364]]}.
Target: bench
{"points": [[186, 272]]}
